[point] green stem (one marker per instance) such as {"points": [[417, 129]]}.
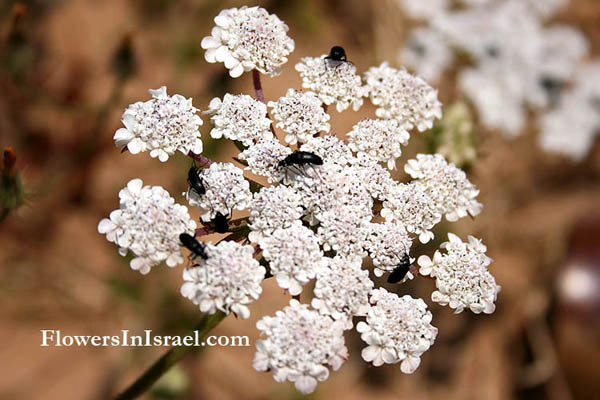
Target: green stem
{"points": [[170, 358]]}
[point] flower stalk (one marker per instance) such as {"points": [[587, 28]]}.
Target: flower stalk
{"points": [[260, 96], [170, 358]]}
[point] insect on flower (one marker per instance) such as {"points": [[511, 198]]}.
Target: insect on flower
{"points": [[299, 159], [195, 181], [336, 57], [197, 249], [221, 223], [401, 270]]}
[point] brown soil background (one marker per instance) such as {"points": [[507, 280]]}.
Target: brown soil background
{"points": [[56, 272]]}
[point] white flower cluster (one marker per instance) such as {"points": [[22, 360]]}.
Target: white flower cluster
{"points": [[330, 149], [248, 38], [334, 83], [402, 96], [381, 139], [263, 159], [162, 125], [226, 190], [329, 210], [300, 116], [227, 280], [519, 63], [298, 344], [342, 289], [447, 185], [272, 208], [239, 117], [410, 204], [148, 224], [387, 244], [397, 329], [294, 256], [462, 277]]}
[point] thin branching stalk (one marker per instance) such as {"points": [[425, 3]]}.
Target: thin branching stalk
{"points": [[170, 358]]}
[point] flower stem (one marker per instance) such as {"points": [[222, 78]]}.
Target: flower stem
{"points": [[170, 358], [200, 158], [257, 86]]}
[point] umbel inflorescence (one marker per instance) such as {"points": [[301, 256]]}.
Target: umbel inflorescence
{"points": [[329, 209]]}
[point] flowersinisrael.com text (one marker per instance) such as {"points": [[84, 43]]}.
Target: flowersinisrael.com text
{"points": [[56, 338]]}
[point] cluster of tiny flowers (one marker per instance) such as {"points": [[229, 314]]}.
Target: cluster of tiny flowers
{"points": [[518, 63], [334, 82], [248, 38], [227, 280], [148, 224], [316, 207], [161, 125], [272, 208], [447, 185], [330, 149], [263, 159], [410, 204], [294, 256], [402, 96], [397, 329], [226, 190], [342, 289], [381, 139], [300, 116], [239, 117], [462, 277], [387, 244], [298, 344]]}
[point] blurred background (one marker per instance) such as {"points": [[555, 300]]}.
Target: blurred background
{"points": [[68, 70]]}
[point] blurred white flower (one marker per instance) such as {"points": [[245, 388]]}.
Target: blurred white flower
{"points": [[397, 329], [162, 125], [248, 38], [298, 344], [571, 128], [226, 190], [239, 117], [334, 84], [300, 116], [148, 223], [402, 96], [497, 95], [381, 139], [462, 277], [420, 9], [227, 280]]}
